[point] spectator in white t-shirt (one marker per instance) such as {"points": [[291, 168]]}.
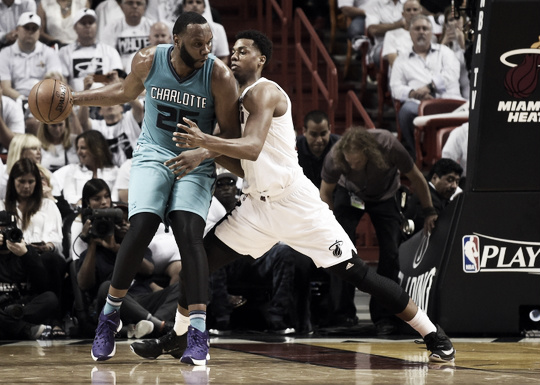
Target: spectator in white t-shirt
{"points": [[120, 129], [130, 33], [86, 56]]}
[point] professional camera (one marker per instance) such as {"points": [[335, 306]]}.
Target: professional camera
{"points": [[10, 231], [103, 220]]}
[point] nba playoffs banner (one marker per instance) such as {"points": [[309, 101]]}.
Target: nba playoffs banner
{"points": [[479, 272]]}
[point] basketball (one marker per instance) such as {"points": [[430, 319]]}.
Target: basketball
{"points": [[50, 101]]}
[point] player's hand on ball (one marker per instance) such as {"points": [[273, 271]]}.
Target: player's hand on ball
{"points": [[193, 136]]}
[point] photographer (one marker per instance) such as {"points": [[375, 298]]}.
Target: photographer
{"points": [[147, 307], [40, 221], [25, 303]]}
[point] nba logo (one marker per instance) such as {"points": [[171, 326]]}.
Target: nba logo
{"points": [[471, 254]]}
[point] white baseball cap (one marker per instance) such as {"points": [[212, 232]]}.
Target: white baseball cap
{"points": [[82, 13], [29, 17]]}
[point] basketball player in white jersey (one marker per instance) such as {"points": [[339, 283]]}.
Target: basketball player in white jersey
{"points": [[280, 203]]}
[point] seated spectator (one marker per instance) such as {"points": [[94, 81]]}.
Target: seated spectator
{"points": [[57, 18], [148, 308], [382, 16], [11, 121], [220, 45], [86, 56], [443, 180], [128, 34], [95, 161], [27, 306], [454, 37], [120, 129], [10, 11], [24, 146], [398, 41], [169, 10], [25, 63], [40, 222], [160, 33], [355, 9], [61, 203], [456, 145], [58, 143], [428, 71]]}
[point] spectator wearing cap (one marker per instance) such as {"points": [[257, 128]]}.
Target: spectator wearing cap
{"points": [[57, 19], [25, 63], [10, 11], [86, 57]]}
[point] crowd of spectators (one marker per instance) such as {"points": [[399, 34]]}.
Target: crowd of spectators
{"points": [[53, 176]]}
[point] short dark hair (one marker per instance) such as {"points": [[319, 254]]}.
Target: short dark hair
{"points": [[93, 187], [316, 116], [260, 40], [445, 166], [185, 19]]}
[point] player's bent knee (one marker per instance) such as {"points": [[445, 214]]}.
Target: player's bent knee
{"points": [[360, 275], [353, 270]]}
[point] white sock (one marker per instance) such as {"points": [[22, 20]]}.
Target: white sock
{"points": [[422, 324], [181, 323]]}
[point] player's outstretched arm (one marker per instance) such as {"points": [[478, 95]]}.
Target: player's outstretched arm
{"points": [[261, 102], [123, 91]]}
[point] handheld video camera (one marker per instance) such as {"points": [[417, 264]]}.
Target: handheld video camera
{"points": [[103, 220], [10, 231]]}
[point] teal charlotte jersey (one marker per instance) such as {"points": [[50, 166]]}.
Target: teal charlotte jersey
{"points": [[170, 98], [152, 186]]}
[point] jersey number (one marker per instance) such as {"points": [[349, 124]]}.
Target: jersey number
{"points": [[168, 117]]}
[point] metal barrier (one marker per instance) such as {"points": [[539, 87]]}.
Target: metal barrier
{"points": [[283, 10], [353, 101], [317, 56]]}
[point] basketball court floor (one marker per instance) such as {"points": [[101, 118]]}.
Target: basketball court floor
{"points": [[260, 358]]}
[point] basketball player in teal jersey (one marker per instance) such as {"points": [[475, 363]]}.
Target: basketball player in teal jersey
{"points": [[181, 80]]}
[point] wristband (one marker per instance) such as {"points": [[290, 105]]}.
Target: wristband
{"points": [[429, 211]]}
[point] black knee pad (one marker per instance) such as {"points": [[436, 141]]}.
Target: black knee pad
{"points": [[353, 270]]}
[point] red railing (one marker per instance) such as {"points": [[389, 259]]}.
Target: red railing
{"points": [[316, 58], [283, 10], [353, 101]]}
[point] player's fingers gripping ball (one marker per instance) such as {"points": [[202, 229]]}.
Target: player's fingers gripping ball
{"points": [[50, 101]]}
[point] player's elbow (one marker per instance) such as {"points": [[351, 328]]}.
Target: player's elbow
{"points": [[252, 156], [253, 152]]}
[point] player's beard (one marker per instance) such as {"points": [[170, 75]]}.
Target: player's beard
{"points": [[186, 57]]}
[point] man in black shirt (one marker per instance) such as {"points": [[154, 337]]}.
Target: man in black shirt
{"points": [[314, 144]]}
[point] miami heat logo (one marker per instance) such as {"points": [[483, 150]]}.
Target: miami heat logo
{"points": [[522, 79], [335, 248]]}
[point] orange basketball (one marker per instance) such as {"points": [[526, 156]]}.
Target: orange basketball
{"points": [[50, 101]]}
